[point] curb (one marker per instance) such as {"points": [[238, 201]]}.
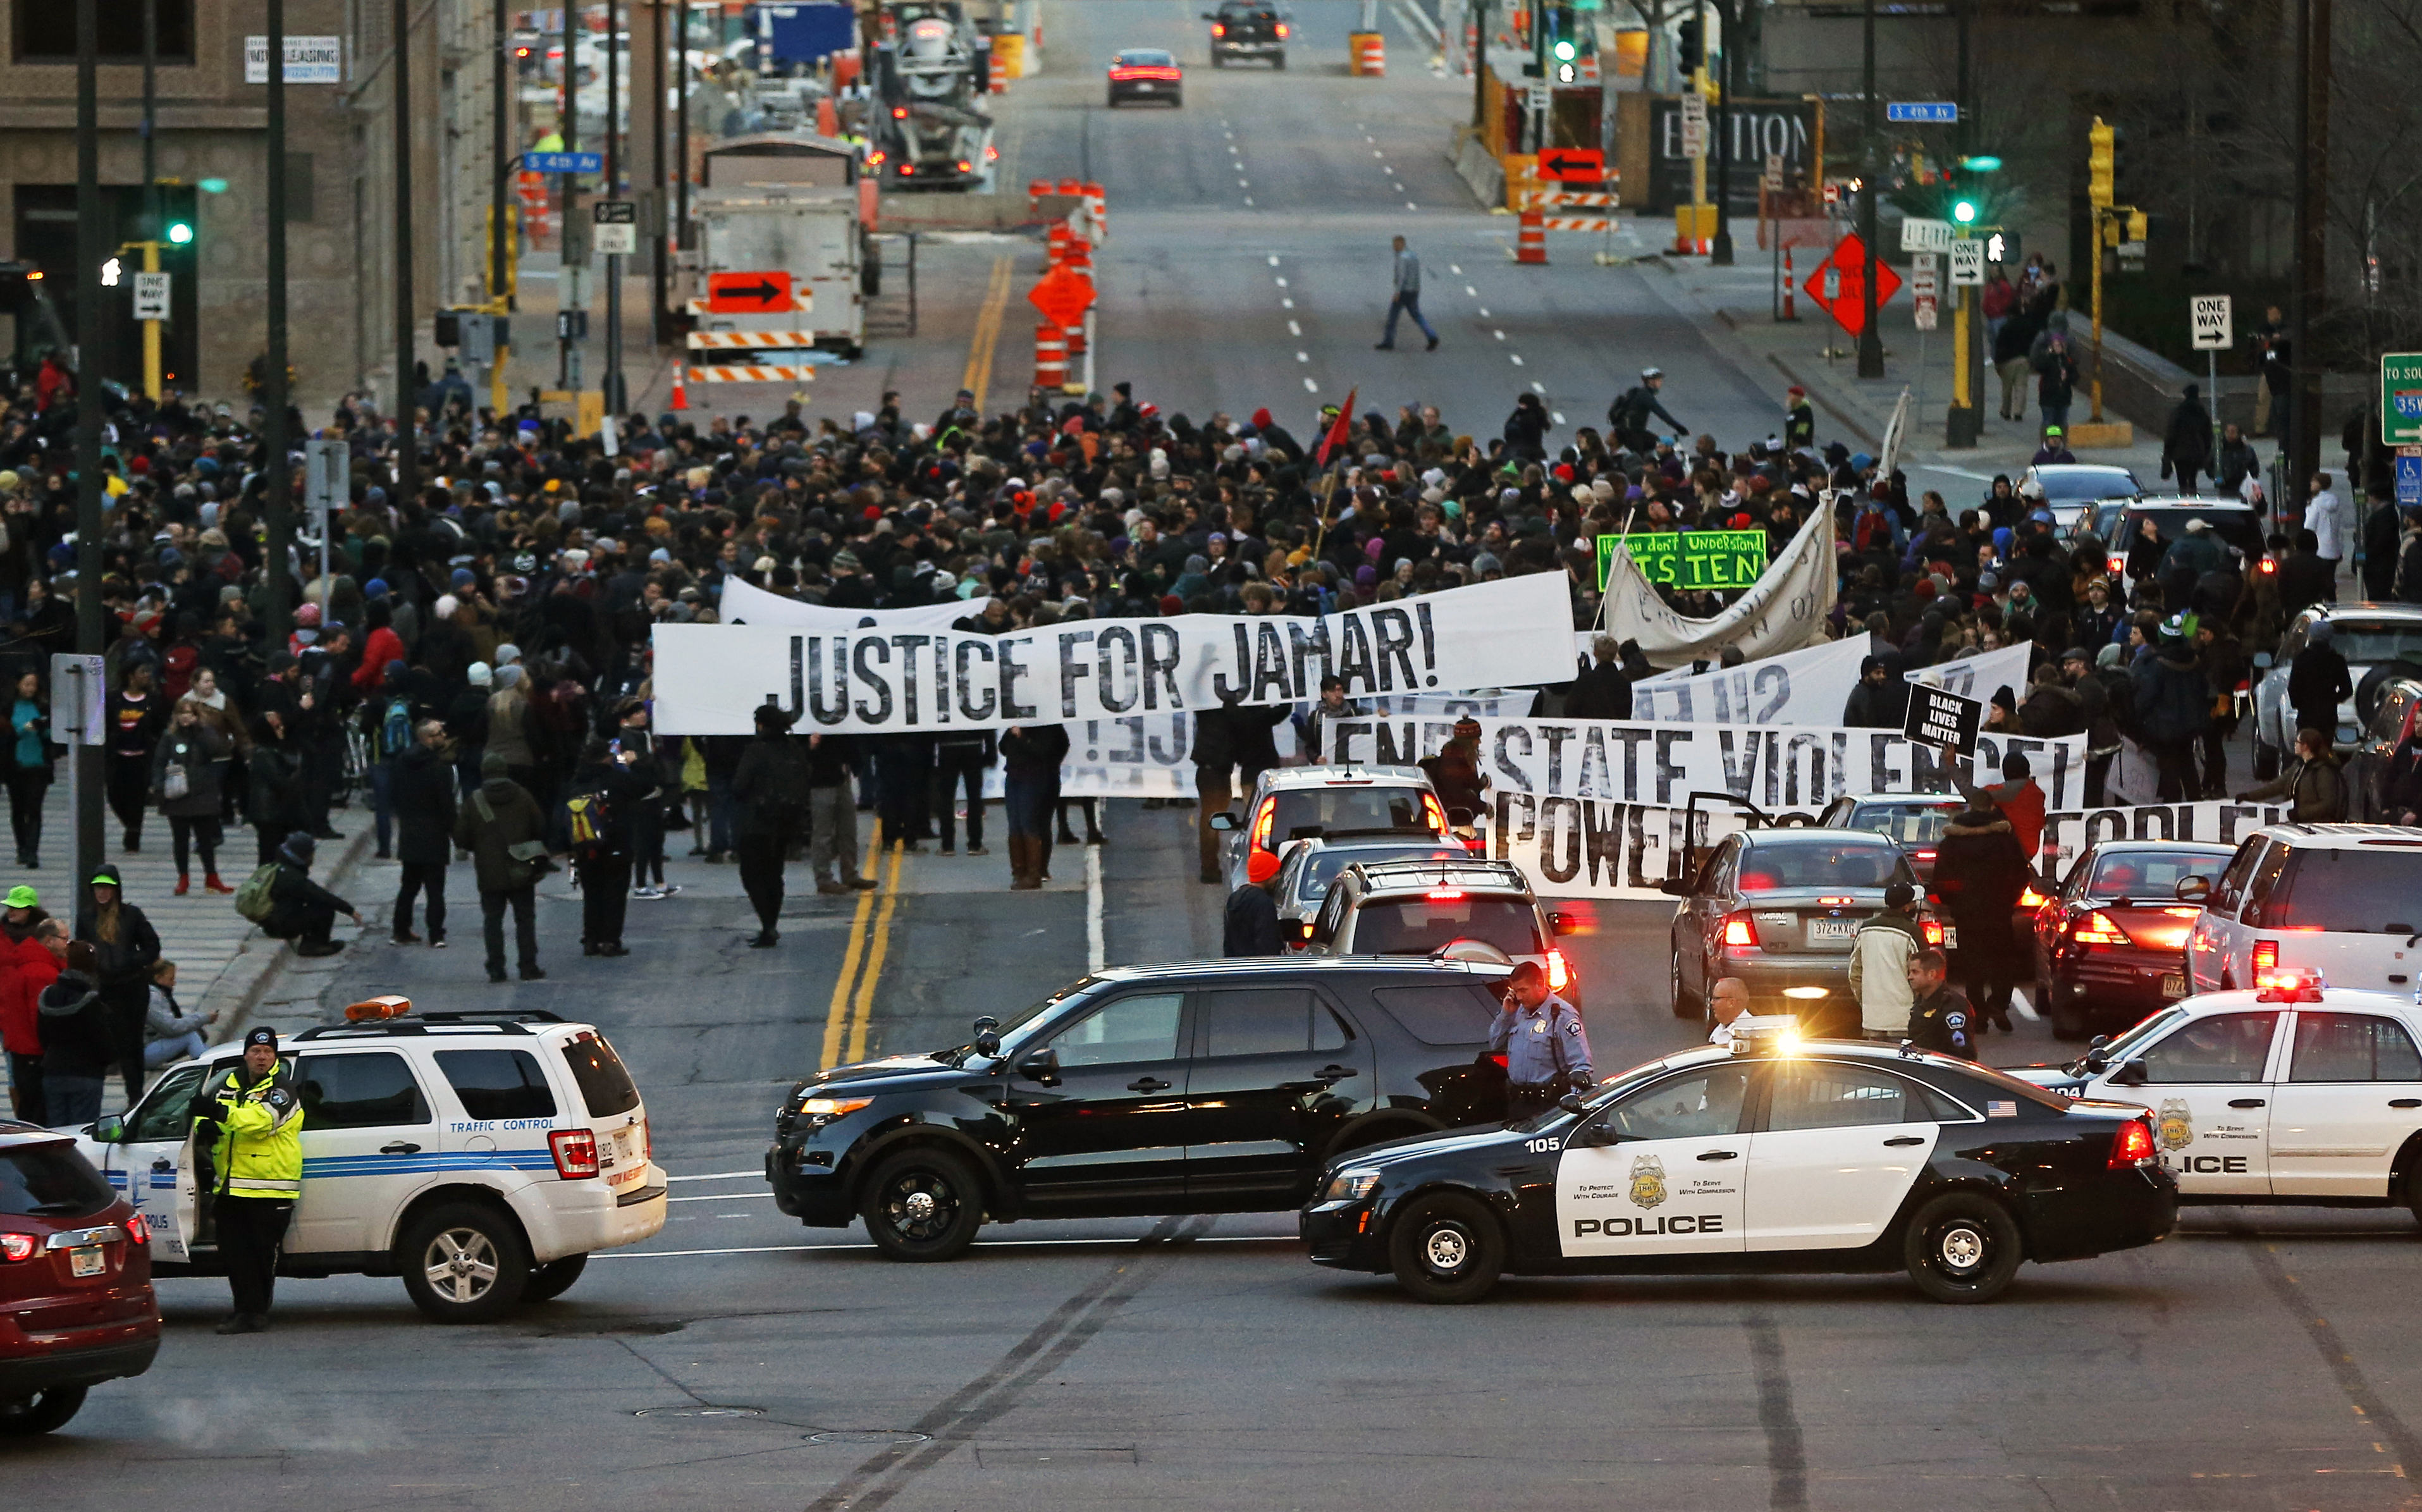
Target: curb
{"points": [[261, 962]]}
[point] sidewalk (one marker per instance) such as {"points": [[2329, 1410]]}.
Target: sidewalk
{"points": [[223, 962]]}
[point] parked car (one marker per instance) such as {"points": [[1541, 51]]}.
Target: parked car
{"points": [[1146, 73], [2109, 946], [2368, 771], [1244, 28], [1312, 864], [2070, 487], [1912, 821], [2381, 642], [1329, 803], [76, 1306], [2117, 523], [1421, 907], [1779, 909], [2342, 901], [481, 1154], [1193, 1087]]}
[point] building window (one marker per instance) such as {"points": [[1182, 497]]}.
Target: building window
{"points": [[47, 33]]}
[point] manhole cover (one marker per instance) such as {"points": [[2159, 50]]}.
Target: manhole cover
{"points": [[699, 1412], [868, 1436]]}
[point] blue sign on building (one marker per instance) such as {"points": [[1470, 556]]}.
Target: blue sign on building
{"points": [[564, 162], [1936, 113], [2409, 482]]}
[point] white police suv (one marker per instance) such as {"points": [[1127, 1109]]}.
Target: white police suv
{"points": [[481, 1154], [2292, 1093]]}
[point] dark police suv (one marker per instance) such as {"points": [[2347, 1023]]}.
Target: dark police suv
{"points": [[1203, 1087], [1774, 1155]]}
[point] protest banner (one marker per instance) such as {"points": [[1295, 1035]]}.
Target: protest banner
{"points": [[1784, 611], [1131, 757], [2067, 834], [1797, 688], [1692, 561], [1980, 676], [711, 679], [1591, 807], [744, 603]]}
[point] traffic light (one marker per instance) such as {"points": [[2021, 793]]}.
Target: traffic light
{"points": [[1690, 42], [2102, 164], [180, 232], [1971, 200]]}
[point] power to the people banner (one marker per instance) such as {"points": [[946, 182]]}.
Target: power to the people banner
{"points": [[711, 679], [1594, 808], [2068, 835]]}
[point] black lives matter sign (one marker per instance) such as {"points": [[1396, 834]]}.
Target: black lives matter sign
{"points": [[1936, 717]]}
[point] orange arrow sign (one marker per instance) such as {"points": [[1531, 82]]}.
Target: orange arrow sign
{"points": [[749, 293], [1062, 296]]}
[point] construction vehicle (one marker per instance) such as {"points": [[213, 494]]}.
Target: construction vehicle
{"points": [[784, 205], [931, 73]]}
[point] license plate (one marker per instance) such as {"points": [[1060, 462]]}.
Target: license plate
{"points": [[2174, 985], [1951, 936], [1833, 928], [87, 1260], [1143, 88]]}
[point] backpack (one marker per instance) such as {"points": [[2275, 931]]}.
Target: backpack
{"points": [[252, 900], [590, 821], [395, 728]]}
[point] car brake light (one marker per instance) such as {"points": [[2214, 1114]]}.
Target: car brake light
{"points": [[1933, 929], [1444, 894], [2030, 899], [574, 1151], [1263, 821], [138, 1230], [19, 1246], [874, 159], [1282, 31], [1836, 902], [2266, 955], [1437, 815], [2132, 1146], [900, 113], [2099, 930], [2118, 565], [964, 166], [1739, 933], [992, 154], [1219, 29], [906, 169], [2266, 566], [1560, 972], [1921, 856]]}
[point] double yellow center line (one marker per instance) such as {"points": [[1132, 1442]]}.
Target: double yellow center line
{"points": [[853, 1011], [988, 337]]}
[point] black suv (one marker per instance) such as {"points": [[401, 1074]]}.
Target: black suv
{"points": [[1241, 28], [1198, 1087]]}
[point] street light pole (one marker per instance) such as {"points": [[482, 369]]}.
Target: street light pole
{"points": [[501, 236], [1966, 421], [659, 271], [1720, 252], [95, 240], [1871, 342], [407, 417], [614, 397], [278, 495]]}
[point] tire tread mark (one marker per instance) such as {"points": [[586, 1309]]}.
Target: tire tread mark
{"points": [[1786, 1449], [2378, 1415]]}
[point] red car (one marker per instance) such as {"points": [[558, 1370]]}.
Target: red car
{"points": [[76, 1307], [2109, 946]]}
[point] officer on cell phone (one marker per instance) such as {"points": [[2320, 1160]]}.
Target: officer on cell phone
{"points": [[1546, 1052]]}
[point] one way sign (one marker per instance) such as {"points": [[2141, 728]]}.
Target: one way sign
{"points": [[749, 293], [1572, 165]]}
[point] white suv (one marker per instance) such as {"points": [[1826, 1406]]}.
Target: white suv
{"points": [[2341, 900], [481, 1154], [1329, 803]]}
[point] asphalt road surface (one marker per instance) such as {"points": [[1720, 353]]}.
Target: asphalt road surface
{"points": [[2256, 1361]]}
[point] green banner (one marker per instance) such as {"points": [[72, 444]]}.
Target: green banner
{"points": [[2401, 399], [1691, 560]]}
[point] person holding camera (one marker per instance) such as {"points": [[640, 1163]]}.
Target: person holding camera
{"points": [[1546, 1052]]}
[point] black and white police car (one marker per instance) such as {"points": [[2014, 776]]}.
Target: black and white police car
{"points": [[2293, 1092], [1775, 1154]]}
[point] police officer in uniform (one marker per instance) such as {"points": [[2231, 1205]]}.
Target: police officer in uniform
{"points": [[254, 1117], [1546, 1052], [1939, 1016]]}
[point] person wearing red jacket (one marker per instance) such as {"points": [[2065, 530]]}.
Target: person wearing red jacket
{"points": [[382, 647], [26, 967]]}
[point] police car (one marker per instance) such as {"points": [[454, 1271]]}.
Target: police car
{"points": [[2291, 1093], [481, 1155], [1774, 1153]]}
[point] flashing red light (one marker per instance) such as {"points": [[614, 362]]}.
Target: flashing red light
{"points": [[2133, 1146], [2265, 955], [875, 159], [1739, 933], [574, 1151]]}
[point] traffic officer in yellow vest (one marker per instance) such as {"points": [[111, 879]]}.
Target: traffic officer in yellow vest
{"points": [[256, 1171]]}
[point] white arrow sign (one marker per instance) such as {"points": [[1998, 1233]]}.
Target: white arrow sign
{"points": [[2210, 316]]}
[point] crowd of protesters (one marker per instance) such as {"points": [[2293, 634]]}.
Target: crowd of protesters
{"points": [[473, 669]]}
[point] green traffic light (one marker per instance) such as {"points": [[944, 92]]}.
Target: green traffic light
{"points": [[1964, 212], [180, 233], [212, 186], [1981, 165], [1565, 52]]}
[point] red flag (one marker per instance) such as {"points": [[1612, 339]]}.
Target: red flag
{"points": [[1336, 436]]}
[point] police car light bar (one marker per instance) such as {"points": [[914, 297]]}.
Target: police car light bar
{"points": [[1765, 1034], [371, 1010], [2288, 984]]}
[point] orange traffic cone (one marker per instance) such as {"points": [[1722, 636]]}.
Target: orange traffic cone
{"points": [[681, 391]]}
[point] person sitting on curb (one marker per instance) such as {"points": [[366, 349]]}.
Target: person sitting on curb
{"points": [[171, 1033], [301, 909]]}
